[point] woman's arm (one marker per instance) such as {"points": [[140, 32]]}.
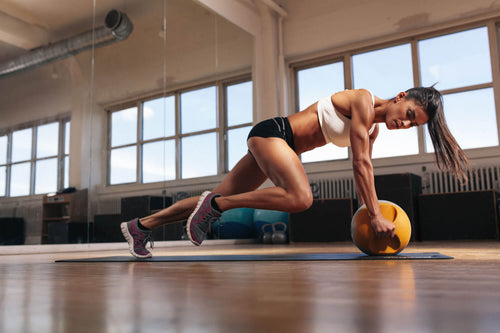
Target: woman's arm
{"points": [[372, 137], [362, 115]]}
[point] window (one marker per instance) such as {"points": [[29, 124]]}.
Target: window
{"points": [[239, 110], [312, 85], [30, 159], [457, 63], [3, 165], [386, 72], [183, 135], [158, 135], [123, 161], [198, 149], [47, 148]]}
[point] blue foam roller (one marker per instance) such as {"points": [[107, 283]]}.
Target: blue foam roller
{"points": [[235, 224]]}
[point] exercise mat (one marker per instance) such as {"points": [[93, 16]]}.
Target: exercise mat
{"points": [[266, 257]]}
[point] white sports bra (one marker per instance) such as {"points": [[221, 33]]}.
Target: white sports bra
{"points": [[335, 126]]}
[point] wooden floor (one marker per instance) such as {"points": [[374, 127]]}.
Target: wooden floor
{"points": [[459, 295]]}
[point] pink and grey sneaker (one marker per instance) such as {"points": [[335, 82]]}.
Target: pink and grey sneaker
{"points": [[202, 217], [137, 239]]}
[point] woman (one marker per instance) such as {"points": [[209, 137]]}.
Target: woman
{"points": [[347, 118]]}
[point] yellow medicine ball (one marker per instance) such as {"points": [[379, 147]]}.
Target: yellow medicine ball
{"points": [[363, 235]]}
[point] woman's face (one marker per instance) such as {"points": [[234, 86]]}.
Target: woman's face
{"points": [[403, 113]]}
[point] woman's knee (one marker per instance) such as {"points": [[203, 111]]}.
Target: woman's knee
{"points": [[301, 201]]}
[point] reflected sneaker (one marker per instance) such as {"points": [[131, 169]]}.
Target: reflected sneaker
{"points": [[202, 217], [137, 239]]}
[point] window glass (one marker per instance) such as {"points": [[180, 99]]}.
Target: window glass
{"points": [[199, 155], [313, 84], [325, 153], [471, 118], [158, 118], [239, 103], [456, 60], [123, 165], [46, 176], [66, 172], [47, 140], [124, 127], [236, 145], [21, 145], [20, 175], [158, 161], [386, 72], [3, 149], [3, 175], [198, 110], [67, 132]]}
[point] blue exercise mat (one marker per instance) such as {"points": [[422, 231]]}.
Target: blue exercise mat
{"points": [[267, 257]]}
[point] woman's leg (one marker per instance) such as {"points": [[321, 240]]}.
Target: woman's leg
{"points": [[245, 176], [282, 166]]}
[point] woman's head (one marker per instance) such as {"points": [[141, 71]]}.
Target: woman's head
{"points": [[449, 155]]}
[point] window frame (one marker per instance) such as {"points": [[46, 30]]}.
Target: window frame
{"points": [[220, 130], [345, 54], [60, 156]]}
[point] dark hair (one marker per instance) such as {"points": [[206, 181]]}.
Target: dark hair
{"points": [[449, 156]]}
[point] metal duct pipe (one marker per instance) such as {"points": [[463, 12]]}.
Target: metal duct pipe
{"points": [[117, 27]]}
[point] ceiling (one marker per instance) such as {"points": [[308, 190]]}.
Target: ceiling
{"points": [[29, 24]]}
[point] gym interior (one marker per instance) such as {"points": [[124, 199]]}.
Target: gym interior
{"points": [[116, 109]]}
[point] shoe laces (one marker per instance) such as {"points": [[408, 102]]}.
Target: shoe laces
{"points": [[148, 238]]}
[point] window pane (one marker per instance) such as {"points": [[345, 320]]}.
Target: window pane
{"points": [[3, 175], [385, 73], [239, 103], [124, 127], [314, 84], [395, 142], [3, 149], [47, 140], [21, 145], [318, 82], [477, 131], [198, 110], [46, 176], [456, 60], [199, 155], [20, 175], [158, 161], [66, 172], [325, 153], [158, 118], [67, 132], [237, 145], [123, 165]]}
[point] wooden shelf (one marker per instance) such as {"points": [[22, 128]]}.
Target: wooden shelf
{"points": [[63, 208]]}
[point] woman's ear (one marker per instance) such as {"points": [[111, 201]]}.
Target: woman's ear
{"points": [[400, 96]]}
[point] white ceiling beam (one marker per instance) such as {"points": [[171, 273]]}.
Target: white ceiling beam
{"points": [[238, 12], [16, 32]]}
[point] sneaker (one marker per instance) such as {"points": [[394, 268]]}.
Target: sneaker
{"points": [[137, 239], [202, 217]]}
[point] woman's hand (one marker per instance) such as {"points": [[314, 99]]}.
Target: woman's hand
{"points": [[383, 227]]}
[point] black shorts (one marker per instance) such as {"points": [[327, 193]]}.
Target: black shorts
{"points": [[278, 127]]}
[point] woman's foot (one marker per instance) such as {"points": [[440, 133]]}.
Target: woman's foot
{"points": [[137, 239], [202, 217]]}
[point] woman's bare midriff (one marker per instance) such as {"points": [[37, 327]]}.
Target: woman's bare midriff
{"points": [[306, 129]]}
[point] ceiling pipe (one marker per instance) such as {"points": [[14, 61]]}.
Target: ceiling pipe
{"points": [[117, 27]]}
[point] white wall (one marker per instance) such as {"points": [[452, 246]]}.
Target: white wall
{"points": [[133, 68]]}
